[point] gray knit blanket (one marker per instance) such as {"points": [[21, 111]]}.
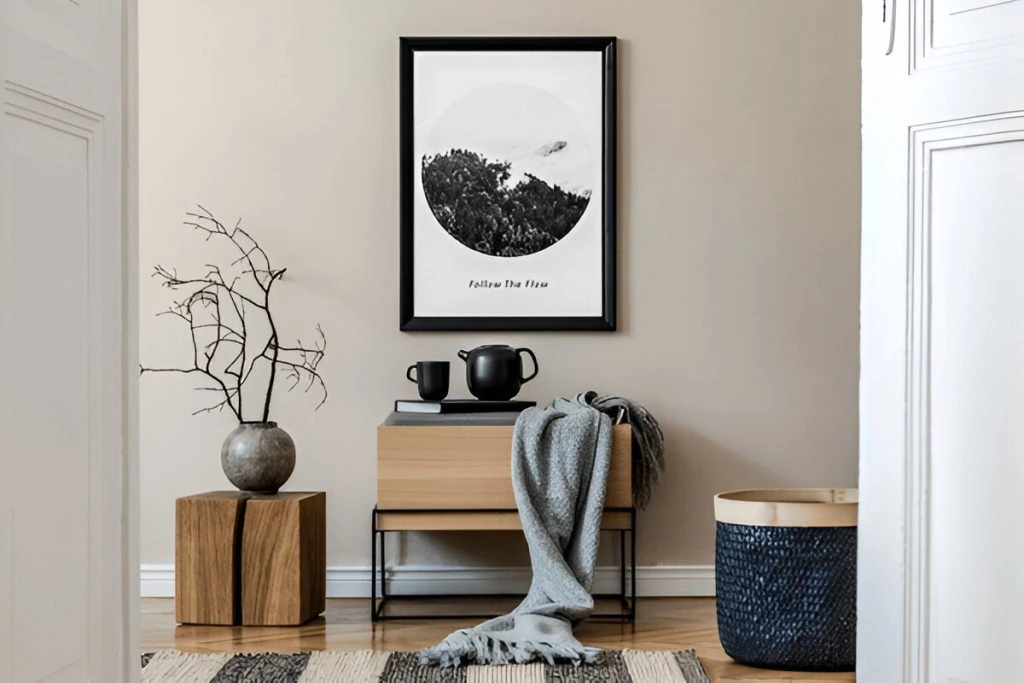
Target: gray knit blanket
{"points": [[560, 460]]}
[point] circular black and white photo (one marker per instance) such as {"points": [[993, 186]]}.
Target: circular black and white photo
{"points": [[507, 170]]}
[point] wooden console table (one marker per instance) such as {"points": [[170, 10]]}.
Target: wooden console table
{"points": [[457, 477], [244, 559]]}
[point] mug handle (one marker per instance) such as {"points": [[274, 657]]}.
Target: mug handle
{"points": [[408, 374], [536, 366]]}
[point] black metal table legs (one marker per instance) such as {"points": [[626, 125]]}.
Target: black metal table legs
{"points": [[626, 595]]}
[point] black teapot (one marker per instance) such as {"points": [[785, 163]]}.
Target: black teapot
{"points": [[495, 372]]}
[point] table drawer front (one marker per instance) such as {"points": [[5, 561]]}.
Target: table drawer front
{"points": [[468, 468], [477, 521]]}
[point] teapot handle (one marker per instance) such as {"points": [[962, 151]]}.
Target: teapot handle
{"points": [[463, 354], [536, 366]]}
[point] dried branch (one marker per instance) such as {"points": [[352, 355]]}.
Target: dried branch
{"points": [[216, 310], [306, 367]]}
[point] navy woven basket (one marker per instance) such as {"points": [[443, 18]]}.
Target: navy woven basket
{"points": [[786, 577]]}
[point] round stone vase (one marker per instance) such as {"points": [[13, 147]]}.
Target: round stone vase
{"points": [[258, 457]]}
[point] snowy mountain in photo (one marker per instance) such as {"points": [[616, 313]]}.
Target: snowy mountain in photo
{"points": [[530, 128], [557, 163]]}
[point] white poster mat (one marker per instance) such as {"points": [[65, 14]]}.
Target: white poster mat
{"points": [[447, 274]]}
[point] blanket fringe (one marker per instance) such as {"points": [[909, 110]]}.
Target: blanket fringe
{"points": [[465, 647]]}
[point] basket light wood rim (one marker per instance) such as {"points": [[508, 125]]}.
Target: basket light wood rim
{"points": [[788, 507]]}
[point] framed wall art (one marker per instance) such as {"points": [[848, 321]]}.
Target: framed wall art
{"points": [[508, 183]]}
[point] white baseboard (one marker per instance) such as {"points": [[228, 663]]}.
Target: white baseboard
{"points": [[157, 580]]}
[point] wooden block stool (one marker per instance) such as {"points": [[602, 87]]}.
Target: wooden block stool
{"points": [[243, 559]]}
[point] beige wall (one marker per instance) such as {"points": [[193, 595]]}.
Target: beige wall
{"points": [[739, 213]]}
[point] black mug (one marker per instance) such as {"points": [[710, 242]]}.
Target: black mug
{"points": [[431, 378]]}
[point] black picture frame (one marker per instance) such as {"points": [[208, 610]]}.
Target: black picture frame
{"points": [[409, 319]]}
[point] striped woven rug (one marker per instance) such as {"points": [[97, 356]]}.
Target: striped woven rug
{"points": [[614, 666]]}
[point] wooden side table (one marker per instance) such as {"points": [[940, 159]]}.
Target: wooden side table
{"points": [[458, 477], [250, 560]]}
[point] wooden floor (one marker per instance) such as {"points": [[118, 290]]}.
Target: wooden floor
{"points": [[662, 624]]}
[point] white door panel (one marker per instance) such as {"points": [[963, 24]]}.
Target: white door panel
{"points": [[65, 425], [956, 32], [977, 387], [59, 47], [942, 344], [49, 421]]}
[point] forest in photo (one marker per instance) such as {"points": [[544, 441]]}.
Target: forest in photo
{"points": [[473, 200]]}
